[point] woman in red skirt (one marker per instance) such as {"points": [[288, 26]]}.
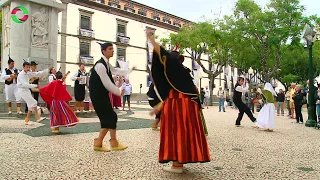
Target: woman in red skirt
{"points": [[182, 135], [56, 94], [116, 99]]}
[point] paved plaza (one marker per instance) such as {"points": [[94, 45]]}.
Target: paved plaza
{"points": [[33, 152]]}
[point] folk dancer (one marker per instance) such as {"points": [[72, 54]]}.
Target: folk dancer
{"points": [[24, 90], [182, 136], [56, 94], [267, 116], [79, 79], [52, 75], [116, 99], [237, 99], [91, 109], [10, 76], [154, 101], [181, 58], [35, 80], [101, 83]]}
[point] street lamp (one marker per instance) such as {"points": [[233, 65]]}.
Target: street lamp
{"points": [[310, 36]]}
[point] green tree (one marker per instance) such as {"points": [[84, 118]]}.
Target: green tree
{"points": [[295, 63], [268, 30], [213, 39]]}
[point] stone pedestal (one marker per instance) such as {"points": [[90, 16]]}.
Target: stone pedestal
{"points": [[34, 39]]}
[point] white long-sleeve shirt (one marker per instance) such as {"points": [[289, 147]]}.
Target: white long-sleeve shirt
{"points": [[24, 77], [75, 76], [207, 93], [242, 89], [52, 77], [107, 83], [4, 75]]}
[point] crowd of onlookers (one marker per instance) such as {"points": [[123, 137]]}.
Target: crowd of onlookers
{"points": [[293, 98]]}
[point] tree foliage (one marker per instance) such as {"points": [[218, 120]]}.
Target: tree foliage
{"points": [[268, 31]]}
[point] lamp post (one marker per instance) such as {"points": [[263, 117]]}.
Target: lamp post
{"points": [[310, 36]]}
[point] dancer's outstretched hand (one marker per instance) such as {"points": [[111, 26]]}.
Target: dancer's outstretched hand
{"points": [[149, 33], [154, 111]]}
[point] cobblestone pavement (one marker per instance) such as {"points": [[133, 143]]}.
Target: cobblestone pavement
{"points": [[32, 152]]}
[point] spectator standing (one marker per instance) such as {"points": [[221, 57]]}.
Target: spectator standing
{"points": [[127, 91], [280, 101]]}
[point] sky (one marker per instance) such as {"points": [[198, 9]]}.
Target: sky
{"points": [[194, 9]]}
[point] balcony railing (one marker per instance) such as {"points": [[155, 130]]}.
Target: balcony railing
{"points": [[123, 39], [86, 32], [86, 59]]}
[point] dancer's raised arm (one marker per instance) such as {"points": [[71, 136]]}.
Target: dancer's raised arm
{"points": [[156, 46]]}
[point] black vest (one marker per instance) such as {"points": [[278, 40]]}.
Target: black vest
{"points": [[8, 72], [237, 96], [95, 84], [76, 82]]}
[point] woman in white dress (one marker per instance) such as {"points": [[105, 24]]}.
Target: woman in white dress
{"points": [[266, 117]]}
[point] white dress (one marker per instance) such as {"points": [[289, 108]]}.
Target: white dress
{"points": [[267, 115]]}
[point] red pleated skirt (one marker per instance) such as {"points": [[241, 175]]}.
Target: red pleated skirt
{"points": [[111, 99], [182, 136], [116, 100], [61, 115]]}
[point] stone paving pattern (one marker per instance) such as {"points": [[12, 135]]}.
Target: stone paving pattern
{"points": [[32, 152]]}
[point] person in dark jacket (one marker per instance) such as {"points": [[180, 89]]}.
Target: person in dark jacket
{"points": [[298, 102], [280, 101]]}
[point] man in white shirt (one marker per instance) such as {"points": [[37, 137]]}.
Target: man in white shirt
{"points": [[237, 99], [127, 91], [80, 81], [222, 96], [10, 76], [24, 90], [101, 83]]}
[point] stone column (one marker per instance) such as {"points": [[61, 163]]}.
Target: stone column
{"points": [[63, 54], [34, 39]]}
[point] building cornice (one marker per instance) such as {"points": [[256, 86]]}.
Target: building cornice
{"points": [[125, 14], [157, 10]]}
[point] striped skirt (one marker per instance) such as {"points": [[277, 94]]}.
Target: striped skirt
{"points": [[182, 136], [61, 115]]}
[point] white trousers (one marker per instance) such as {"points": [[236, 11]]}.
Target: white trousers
{"points": [[12, 94], [28, 98]]}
